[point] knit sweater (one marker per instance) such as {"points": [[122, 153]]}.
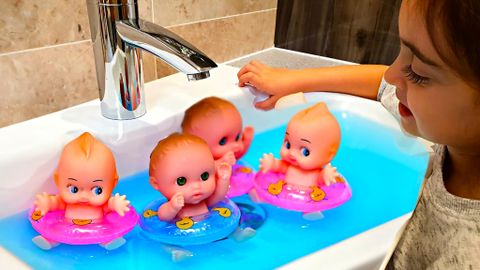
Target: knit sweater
{"points": [[444, 230]]}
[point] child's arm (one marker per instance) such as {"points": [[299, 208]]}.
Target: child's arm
{"points": [[229, 158], [223, 174], [269, 163], [118, 204], [169, 210], [328, 175], [45, 202], [358, 80]]}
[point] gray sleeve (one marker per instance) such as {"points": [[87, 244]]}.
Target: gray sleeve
{"points": [[386, 96]]}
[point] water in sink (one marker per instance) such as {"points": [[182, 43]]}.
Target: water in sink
{"points": [[384, 177]]}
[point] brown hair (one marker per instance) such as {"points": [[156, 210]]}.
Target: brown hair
{"points": [[171, 142], [459, 22], [205, 107]]}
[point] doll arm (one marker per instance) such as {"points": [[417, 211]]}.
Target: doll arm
{"points": [[45, 202], [223, 174], [270, 163], [358, 80], [229, 158], [118, 204], [169, 210], [328, 175]]}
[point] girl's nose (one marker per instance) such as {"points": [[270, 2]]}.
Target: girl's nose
{"points": [[394, 74]]}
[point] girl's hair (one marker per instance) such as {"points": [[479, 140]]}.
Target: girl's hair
{"points": [[457, 22]]}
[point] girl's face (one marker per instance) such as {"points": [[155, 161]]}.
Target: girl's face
{"points": [[435, 103]]}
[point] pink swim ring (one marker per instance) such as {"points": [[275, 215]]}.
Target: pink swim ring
{"points": [[241, 181], [271, 188], [54, 226]]}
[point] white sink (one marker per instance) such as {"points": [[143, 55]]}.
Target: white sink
{"points": [[29, 150]]}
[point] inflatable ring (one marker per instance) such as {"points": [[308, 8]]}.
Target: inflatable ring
{"points": [[54, 226], [221, 220], [241, 181], [271, 188]]}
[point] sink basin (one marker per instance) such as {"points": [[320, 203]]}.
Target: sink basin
{"points": [[30, 151]]}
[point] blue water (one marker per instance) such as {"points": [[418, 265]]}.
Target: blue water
{"points": [[384, 178]]}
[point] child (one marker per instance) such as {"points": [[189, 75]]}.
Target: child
{"points": [[434, 88], [183, 170]]}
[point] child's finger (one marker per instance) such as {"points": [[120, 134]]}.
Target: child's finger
{"points": [[267, 104], [249, 77]]}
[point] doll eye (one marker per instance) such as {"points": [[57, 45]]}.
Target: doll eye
{"points": [[73, 189], [238, 137], [97, 190], [223, 141], [205, 176], [305, 152], [181, 181], [287, 144]]}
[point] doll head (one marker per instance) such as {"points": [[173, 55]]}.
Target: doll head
{"points": [[183, 163], [312, 138], [219, 123], [86, 172]]}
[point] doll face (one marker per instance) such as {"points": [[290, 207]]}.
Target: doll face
{"points": [[85, 181], [309, 146], [222, 132], [189, 171]]}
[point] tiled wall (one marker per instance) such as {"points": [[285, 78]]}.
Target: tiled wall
{"points": [[46, 59]]}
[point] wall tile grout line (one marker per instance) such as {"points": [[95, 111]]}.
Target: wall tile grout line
{"points": [[220, 18], [44, 47]]}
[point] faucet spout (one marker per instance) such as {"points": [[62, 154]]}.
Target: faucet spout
{"points": [[168, 46], [118, 38]]}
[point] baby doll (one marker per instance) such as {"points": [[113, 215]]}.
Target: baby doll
{"points": [[311, 141], [85, 176], [182, 168]]}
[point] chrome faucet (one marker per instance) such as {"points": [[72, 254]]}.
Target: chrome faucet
{"points": [[118, 37]]}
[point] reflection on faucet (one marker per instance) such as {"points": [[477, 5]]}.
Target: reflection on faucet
{"points": [[118, 37]]}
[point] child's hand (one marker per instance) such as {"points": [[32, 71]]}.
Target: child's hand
{"points": [[42, 203], [330, 174], [119, 204], [177, 201], [267, 162], [224, 172], [276, 82]]}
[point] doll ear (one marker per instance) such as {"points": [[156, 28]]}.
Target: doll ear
{"points": [[153, 182], [55, 177]]}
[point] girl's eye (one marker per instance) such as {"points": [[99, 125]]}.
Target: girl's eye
{"points": [[238, 137], [73, 189], [181, 181], [205, 176], [97, 190], [287, 144], [305, 152], [223, 141], [414, 77]]}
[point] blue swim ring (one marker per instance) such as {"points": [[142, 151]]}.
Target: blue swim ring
{"points": [[221, 220]]}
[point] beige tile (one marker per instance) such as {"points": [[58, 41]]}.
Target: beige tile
{"points": [[46, 80], [32, 24], [149, 69], [173, 12], [145, 10], [228, 38]]}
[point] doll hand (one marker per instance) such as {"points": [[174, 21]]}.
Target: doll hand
{"points": [[267, 162], [119, 204], [177, 201], [224, 171], [229, 158], [330, 174], [42, 203]]}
